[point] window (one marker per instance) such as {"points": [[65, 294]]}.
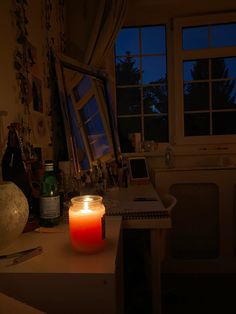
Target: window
{"points": [[86, 112], [141, 84], [205, 79], [193, 101]]}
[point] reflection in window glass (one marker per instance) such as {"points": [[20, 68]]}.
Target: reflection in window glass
{"points": [[158, 42], [156, 128], [127, 126], [89, 109], [128, 100], [223, 67], [79, 143], [127, 40], [127, 71], [196, 70], [155, 99], [223, 35], [82, 88], [196, 96], [224, 94], [154, 69], [195, 37], [94, 127], [196, 124], [224, 123]]}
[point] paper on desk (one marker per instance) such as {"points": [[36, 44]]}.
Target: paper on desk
{"points": [[140, 207], [56, 229]]}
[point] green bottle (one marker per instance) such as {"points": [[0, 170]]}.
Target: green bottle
{"points": [[49, 197]]}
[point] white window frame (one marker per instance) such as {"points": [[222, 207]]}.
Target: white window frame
{"points": [[181, 55]]}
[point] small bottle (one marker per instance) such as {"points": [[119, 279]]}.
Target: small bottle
{"points": [[169, 157], [49, 197]]}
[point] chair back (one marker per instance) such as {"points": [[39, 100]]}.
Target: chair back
{"points": [[169, 202]]}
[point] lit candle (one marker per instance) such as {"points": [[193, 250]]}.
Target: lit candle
{"points": [[86, 223]]}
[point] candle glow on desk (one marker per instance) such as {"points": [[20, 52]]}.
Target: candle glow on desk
{"points": [[86, 223]]}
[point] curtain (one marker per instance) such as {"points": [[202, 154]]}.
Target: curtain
{"points": [[108, 20]]}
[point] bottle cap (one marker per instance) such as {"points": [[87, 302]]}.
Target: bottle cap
{"points": [[48, 165]]}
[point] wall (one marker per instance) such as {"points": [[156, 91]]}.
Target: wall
{"points": [[151, 11], [11, 108]]}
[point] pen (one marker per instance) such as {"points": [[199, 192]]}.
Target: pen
{"points": [[19, 253], [38, 250]]}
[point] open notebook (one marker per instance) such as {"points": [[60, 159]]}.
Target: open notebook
{"points": [[141, 207]]}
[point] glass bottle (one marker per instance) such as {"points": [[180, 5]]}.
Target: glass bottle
{"points": [[49, 197]]}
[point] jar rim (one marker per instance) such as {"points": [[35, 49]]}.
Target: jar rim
{"points": [[86, 198]]}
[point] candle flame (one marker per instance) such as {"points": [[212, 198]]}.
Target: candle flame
{"points": [[86, 210]]}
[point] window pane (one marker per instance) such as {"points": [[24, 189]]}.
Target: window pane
{"points": [[155, 99], [93, 125], [196, 124], [82, 88], [84, 161], [223, 67], [153, 40], [127, 40], [195, 37], [196, 70], [224, 94], [154, 69], [99, 145], [127, 71], [141, 84], [223, 35], [196, 96], [156, 128], [224, 123], [89, 109], [128, 100], [126, 126]]}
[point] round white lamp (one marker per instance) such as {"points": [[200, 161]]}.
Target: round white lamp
{"points": [[14, 212]]}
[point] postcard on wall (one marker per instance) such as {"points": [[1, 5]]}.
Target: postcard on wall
{"points": [[32, 58], [37, 94], [40, 129]]}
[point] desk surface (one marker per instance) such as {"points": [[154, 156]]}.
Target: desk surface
{"points": [[141, 197], [58, 256]]}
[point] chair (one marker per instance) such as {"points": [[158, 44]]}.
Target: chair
{"points": [[169, 202]]}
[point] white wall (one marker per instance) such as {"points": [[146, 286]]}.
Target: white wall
{"points": [[11, 108], [151, 11]]}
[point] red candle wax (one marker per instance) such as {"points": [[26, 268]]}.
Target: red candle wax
{"points": [[85, 222]]}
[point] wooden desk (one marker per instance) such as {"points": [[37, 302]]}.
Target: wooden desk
{"points": [[61, 280], [125, 202]]}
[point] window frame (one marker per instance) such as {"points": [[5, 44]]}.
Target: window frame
{"points": [[181, 55], [99, 89]]}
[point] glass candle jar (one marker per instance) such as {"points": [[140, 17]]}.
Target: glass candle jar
{"points": [[86, 223]]}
